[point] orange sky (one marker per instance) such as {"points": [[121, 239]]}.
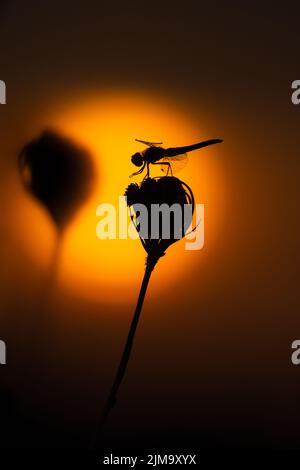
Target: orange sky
{"points": [[107, 125]]}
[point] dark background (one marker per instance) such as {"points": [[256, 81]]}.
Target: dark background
{"points": [[211, 369]]}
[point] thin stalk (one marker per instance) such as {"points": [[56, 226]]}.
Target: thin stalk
{"points": [[44, 316], [150, 264]]}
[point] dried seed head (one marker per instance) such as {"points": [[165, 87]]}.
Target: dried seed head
{"points": [[167, 190], [58, 173]]}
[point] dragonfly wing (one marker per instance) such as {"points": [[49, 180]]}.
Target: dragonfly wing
{"points": [[148, 143], [177, 163]]}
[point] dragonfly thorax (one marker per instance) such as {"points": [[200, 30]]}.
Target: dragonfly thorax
{"points": [[153, 154]]}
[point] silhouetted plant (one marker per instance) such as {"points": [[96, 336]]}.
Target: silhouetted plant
{"points": [[58, 173], [166, 190]]}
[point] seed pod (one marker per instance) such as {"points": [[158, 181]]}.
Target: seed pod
{"points": [[58, 173], [156, 195]]}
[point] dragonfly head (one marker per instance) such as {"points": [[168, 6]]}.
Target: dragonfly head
{"points": [[137, 159]]}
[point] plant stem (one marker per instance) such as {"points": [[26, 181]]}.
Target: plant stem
{"points": [[150, 264]]}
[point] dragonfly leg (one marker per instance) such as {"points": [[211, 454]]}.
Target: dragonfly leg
{"points": [[169, 170], [139, 171]]}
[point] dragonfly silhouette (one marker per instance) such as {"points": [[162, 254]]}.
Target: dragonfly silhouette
{"points": [[168, 158]]}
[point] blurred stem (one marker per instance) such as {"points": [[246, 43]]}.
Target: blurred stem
{"points": [[150, 264], [46, 318], [41, 337]]}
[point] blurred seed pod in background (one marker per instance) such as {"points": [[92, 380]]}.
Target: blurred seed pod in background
{"points": [[58, 173]]}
